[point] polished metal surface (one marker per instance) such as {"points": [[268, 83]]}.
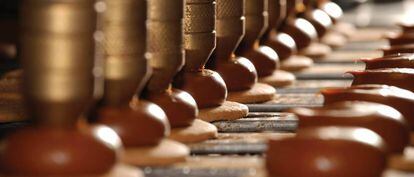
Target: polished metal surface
{"points": [[230, 23], [57, 54], [199, 32], [124, 46], [165, 42]]}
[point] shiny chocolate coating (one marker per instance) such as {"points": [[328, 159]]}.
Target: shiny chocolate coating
{"points": [[139, 124], [282, 43], [399, 77], [179, 106], [238, 73], [391, 61], [327, 151], [383, 120], [320, 20], [301, 30], [264, 59], [206, 87], [332, 9], [400, 99], [44, 151]]}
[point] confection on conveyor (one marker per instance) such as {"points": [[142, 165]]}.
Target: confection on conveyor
{"points": [[206, 88]]}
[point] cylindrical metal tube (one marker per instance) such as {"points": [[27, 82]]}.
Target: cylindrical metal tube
{"points": [[229, 27], [199, 32], [57, 53], [124, 30], [256, 22], [165, 42], [59, 17], [276, 12]]}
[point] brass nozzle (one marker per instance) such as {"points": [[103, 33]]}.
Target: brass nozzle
{"points": [[57, 53], [230, 27], [256, 22], [165, 42], [199, 32], [126, 70]]}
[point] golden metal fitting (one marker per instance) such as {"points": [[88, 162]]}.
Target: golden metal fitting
{"points": [[43, 51], [229, 27], [256, 21], [165, 41], [124, 45], [57, 53], [58, 17], [230, 8], [124, 76], [199, 28], [199, 17], [125, 12], [125, 40], [162, 10]]}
